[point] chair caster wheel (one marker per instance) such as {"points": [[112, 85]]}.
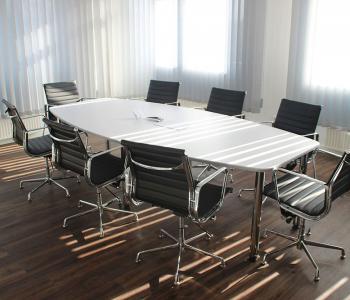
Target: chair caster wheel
{"points": [[343, 256], [29, 198], [67, 195], [223, 265], [64, 225], [138, 260], [161, 236], [317, 276], [263, 261]]}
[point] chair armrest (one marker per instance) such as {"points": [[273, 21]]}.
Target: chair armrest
{"points": [[85, 98], [32, 116], [87, 147], [35, 129], [174, 103], [285, 171], [210, 177], [267, 122], [313, 135], [104, 152], [282, 170], [194, 203], [240, 116]]}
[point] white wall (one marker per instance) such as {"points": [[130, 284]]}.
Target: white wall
{"points": [[275, 67], [276, 53]]}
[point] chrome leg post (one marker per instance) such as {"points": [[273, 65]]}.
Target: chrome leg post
{"points": [[65, 221], [256, 218], [278, 250], [328, 246], [138, 256], [100, 211], [164, 233], [317, 271], [288, 237]]}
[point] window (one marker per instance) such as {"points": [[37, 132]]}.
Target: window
{"points": [[328, 45], [201, 43], [166, 33]]}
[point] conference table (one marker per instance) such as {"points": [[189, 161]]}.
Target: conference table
{"points": [[207, 137]]}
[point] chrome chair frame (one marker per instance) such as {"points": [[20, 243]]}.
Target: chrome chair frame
{"points": [[48, 179], [300, 242], [302, 164], [99, 207], [181, 243]]}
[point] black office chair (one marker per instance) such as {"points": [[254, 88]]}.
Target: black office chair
{"points": [[226, 102], [34, 146], [60, 93], [308, 199], [164, 92], [299, 118], [100, 170], [162, 176]]}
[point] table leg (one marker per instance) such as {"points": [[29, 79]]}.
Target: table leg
{"points": [[256, 218]]}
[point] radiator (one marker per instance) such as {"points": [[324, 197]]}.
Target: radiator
{"points": [[336, 139], [6, 127]]}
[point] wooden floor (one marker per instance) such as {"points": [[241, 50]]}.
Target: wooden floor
{"points": [[41, 260]]}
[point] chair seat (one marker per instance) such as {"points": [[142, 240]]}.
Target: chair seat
{"points": [[209, 198], [40, 146], [105, 167], [299, 193]]}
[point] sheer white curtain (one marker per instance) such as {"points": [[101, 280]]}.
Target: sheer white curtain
{"points": [[114, 47], [210, 43], [105, 45], [319, 61]]}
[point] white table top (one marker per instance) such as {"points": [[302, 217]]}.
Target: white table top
{"points": [[205, 136]]}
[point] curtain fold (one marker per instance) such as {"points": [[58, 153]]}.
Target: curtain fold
{"points": [[319, 58], [109, 48]]}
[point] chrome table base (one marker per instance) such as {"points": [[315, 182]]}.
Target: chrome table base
{"points": [[181, 244], [301, 243]]}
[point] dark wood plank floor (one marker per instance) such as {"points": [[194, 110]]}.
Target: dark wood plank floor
{"points": [[41, 260]]}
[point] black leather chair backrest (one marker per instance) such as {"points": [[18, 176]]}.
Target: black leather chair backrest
{"points": [[162, 91], [168, 189], [18, 126], [297, 117], [226, 102], [70, 152], [59, 93], [342, 177]]}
